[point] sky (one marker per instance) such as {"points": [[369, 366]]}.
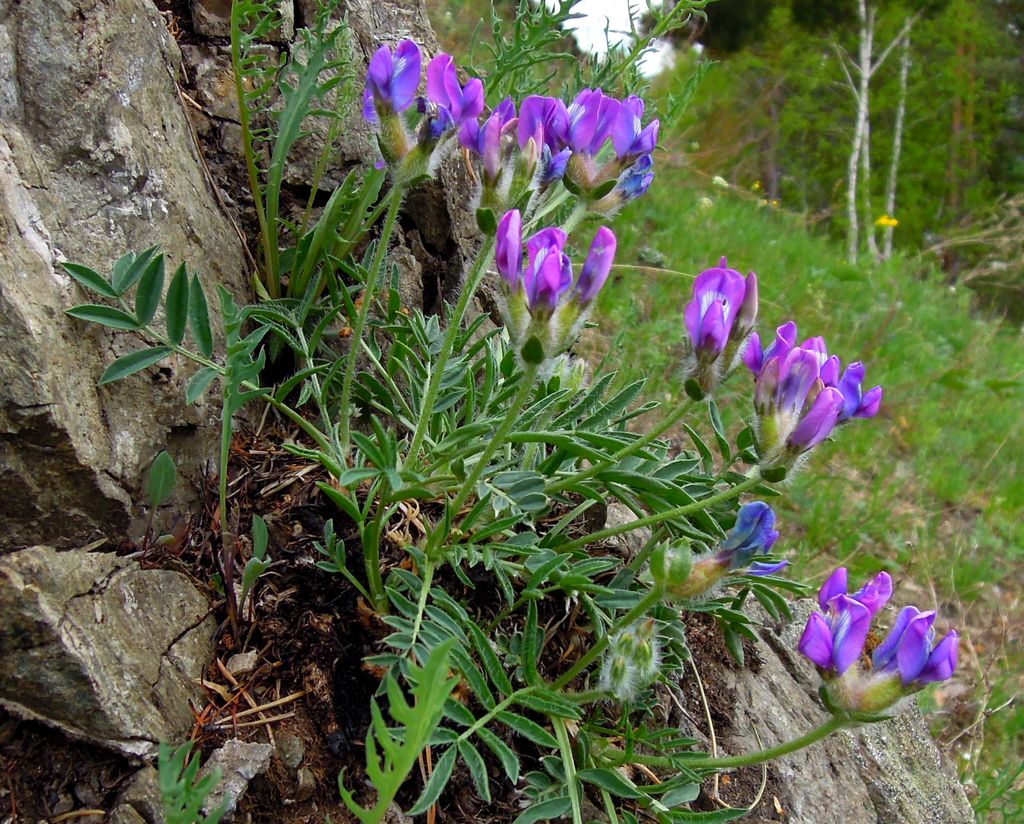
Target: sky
{"points": [[590, 31]]}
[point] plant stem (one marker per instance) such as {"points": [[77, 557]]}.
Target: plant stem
{"points": [[834, 724], [625, 452], [421, 607], [473, 281], [565, 747], [526, 384], [371, 560], [226, 541], [648, 601], [272, 282], [668, 514], [395, 198]]}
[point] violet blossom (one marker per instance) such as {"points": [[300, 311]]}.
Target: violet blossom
{"points": [[719, 319], [905, 662], [543, 308], [753, 535]]}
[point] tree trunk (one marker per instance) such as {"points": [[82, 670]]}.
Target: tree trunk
{"points": [[897, 144], [860, 126], [865, 151]]}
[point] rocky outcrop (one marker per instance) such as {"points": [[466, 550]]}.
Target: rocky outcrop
{"points": [[884, 773], [101, 649], [96, 158]]}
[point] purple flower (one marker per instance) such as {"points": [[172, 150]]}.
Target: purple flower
{"points": [[548, 274], [717, 296], [391, 81], [835, 641], [443, 88], [874, 594], [785, 339], [631, 140], [596, 267], [509, 247], [635, 181], [718, 321], [753, 534], [592, 115], [911, 651], [856, 402], [546, 115]]}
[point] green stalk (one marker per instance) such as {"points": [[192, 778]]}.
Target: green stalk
{"points": [[473, 281], [526, 385], [226, 541], [834, 724], [668, 514], [371, 561], [272, 283], [565, 747], [648, 601], [395, 198], [625, 452]]}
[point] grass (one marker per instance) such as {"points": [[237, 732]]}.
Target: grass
{"points": [[931, 490]]}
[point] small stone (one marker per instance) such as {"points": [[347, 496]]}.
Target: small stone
{"points": [[124, 815], [307, 785], [143, 795], [629, 543], [290, 750], [239, 762], [242, 662]]}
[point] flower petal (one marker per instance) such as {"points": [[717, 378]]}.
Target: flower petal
{"points": [[816, 642], [835, 585]]}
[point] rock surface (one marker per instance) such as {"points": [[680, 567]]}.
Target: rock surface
{"points": [[96, 158], [889, 773], [238, 762], [101, 649]]}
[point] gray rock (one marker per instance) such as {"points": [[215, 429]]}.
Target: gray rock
{"points": [[242, 662], [116, 171], [239, 762], [306, 785], [101, 649], [890, 772], [629, 543], [290, 749], [123, 814], [143, 796]]}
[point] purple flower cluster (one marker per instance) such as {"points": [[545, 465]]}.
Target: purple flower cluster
{"points": [[542, 302], [548, 141], [802, 394], [907, 660], [520, 152], [392, 83]]}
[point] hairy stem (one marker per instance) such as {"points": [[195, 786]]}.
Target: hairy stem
{"points": [[667, 515], [473, 281], [395, 201], [569, 764]]}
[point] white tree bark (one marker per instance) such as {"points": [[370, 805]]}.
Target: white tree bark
{"points": [[863, 67], [865, 150], [897, 143]]}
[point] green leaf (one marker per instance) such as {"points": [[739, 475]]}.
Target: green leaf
{"points": [[151, 289], [260, 537], [438, 780], [129, 269], [545, 811], [714, 817], [90, 279], [486, 220], [199, 382], [177, 305], [548, 702], [532, 351], [716, 424], [489, 658], [505, 754], [477, 769], [163, 475], [134, 362], [106, 315], [530, 730], [199, 318], [610, 780]]}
